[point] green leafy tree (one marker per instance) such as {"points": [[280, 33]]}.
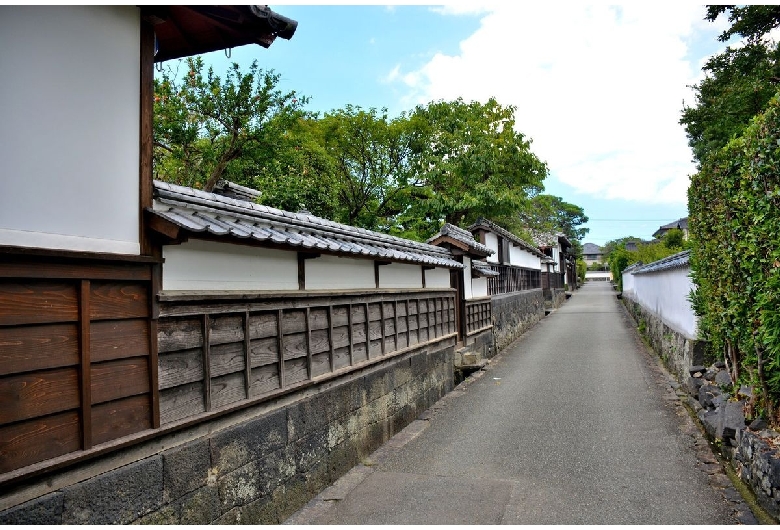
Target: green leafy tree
{"points": [[473, 164], [551, 214], [301, 174], [734, 205], [738, 83], [751, 22], [376, 164], [207, 128], [674, 240]]}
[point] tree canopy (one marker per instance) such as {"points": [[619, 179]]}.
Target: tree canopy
{"points": [[734, 206], [446, 161], [738, 83], [207, 127]]}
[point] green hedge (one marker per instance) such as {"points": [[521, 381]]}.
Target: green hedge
{"points": [[734, 219]]}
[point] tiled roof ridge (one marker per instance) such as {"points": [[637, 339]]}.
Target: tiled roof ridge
{"points": [[483, 268], [464, 236], [680, 259], [506, 233], [255, 211], [250, 192]]}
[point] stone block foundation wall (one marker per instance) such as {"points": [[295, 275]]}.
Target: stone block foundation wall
{"points": [[256, 465], [756, 460], [677, 351], [515, 313]]}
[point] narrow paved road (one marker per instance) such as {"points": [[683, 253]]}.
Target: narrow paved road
{"points": [[574, 424]]}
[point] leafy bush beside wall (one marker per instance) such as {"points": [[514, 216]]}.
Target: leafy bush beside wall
{"points": [[734, 219]]}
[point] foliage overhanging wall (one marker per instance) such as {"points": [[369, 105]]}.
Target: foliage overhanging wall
{"points": [[734, 218]]}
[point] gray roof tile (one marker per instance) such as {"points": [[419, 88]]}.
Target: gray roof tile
{"points": [[483, 269], [198, 211], [490, 225], [675, 261], [463, 236]]}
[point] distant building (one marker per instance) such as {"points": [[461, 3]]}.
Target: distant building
{"points": [[592, 253], [680, 224]]}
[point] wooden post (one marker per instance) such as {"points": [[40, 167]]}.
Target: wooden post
{"points": [[435, 319], [368, 332], [395, 315], [382, 324], [154, 312], [206, 330], [308, 345], [408, 333], [146, 132], [154, 386], [301, 272], [85, 368], [418, 321], [280, 344], [332, 352], [349, 335], [247, 357]]}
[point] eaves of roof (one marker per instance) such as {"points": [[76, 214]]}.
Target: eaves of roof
{"points": [[675, 261], [190, 30], [199, 212], [486, 224], [482, 269], [462, 239]]}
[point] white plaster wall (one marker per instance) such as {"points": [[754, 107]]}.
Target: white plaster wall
{"points": [[467, 291], [666, 294], [69, 127], [522, 258], [628, 283], [333, 272], [400, 276], [211, 266], [438, 278], [479, 287], [491, 241]]}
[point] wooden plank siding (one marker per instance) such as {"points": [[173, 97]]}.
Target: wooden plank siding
{"points": [[75, 355], [478, 315], [254, 349]]}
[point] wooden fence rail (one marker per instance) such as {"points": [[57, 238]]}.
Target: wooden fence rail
{"points": [[478, 315], [511, 279], [216, 354]]}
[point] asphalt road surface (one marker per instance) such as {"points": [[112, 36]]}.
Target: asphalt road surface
{"points": [[573, 424]]}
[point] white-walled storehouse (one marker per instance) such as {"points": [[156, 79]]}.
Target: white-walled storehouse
{"points": [[79, 264], [519, 264], [218, 243], [662, 288]]}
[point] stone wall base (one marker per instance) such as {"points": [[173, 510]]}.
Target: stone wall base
{"points": [[677, 351], [516, 313], [255, 466], [757, 462], [554, 298]]}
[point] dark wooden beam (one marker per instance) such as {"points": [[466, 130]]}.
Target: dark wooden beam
{"points": [[206, 331], [247, 356], [302, 257], [85, 371], [171, 231], [280, 345], [146, 133], [331, 347], [309, 369]]}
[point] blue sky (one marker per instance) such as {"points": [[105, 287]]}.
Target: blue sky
{"points": [[599, 89]]}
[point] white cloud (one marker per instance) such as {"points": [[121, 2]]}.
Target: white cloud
{"points": [[599, 89]]}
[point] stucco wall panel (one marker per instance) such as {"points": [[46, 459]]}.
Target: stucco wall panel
{"points": [[437, 278], [69, 137], [400, 276], [332, 272], [208, 265]]}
